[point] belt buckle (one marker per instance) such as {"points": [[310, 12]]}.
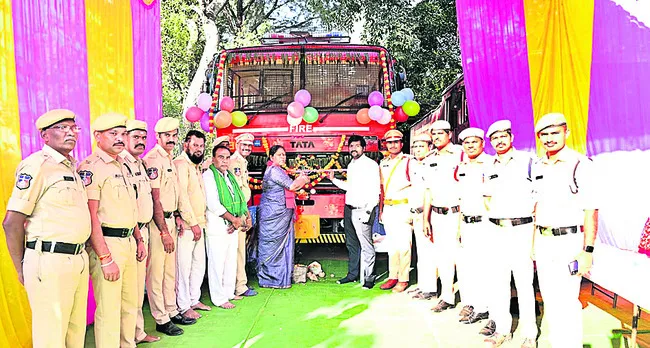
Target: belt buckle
{"points": [[77, 249], [444, 211], [547, 231], [505, 223], [52, 246]]}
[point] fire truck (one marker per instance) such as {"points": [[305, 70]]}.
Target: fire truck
{"points": [[263, 80]]}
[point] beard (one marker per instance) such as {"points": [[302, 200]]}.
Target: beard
{"points": [[195, 159]]}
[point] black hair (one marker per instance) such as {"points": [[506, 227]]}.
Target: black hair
{"points": [[358, 138], [274, 149], [194, 133], [214, 149]]}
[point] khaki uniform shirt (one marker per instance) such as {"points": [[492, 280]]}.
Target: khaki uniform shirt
{"points": [[106, 181], [471, 179], [395, 180], [239, 167], [191, 191], [50, 192], [564, 189], [419, 172], [137, 175], [162, 175]]}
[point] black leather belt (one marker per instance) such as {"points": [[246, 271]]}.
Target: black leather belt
{"points": [[559, 231], [352, 207], [511, 222], [142, 224], [57, 247], [472, 219], [168, 214], [445, 210], [117, 232], [417, 210]]}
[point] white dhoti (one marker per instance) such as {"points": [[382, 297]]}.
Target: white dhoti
{"points": [[221, 248], [190, 261]]}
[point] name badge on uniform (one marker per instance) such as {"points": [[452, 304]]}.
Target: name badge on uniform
{"points": [[539, 177], [86, 177], [23, 181], [493, 176], [152, 173], [169, 170], [68, 178], [433, 165], [138, 173], [461, 174], [118, 176]]}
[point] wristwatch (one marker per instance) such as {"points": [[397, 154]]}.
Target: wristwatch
{"points": [[589, 249]]}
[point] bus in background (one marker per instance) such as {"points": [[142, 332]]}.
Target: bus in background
{"points": [[263, 80]]}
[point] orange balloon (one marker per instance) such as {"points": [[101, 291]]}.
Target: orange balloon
{"points": [[222, 119], [362, 116]]}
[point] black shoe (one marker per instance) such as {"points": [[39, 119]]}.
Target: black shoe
{"points": [[466, 311], [169, 329], [442, 306], [181, 320], [345, 280], [424, 295], [474, 317], [489, 329]]}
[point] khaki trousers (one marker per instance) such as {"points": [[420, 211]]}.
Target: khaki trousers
{"points": [[140, 334], [161, 275], [242, 279], [117, 302], [398, 238], [57, 288]]}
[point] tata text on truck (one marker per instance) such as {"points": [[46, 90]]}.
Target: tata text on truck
{"points": [[263, 80]]}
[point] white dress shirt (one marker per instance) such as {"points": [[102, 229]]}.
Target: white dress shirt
{"points": [[214, 207], [362, 187], [510, 185]]}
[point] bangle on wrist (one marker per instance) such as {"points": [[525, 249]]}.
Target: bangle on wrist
{"points": [[104, 257], [107, 264], [164, 233]]}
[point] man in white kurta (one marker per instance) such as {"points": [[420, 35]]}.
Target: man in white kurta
{"points": [[221, 239]]}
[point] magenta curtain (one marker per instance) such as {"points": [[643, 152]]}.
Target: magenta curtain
{"points": [[51, 66], [495, 62]]}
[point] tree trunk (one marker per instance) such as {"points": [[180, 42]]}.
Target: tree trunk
{"points": [[212, 37]]}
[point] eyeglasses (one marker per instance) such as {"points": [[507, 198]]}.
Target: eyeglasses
{"points": [[67, 128]]}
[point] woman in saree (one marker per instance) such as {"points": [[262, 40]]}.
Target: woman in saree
{"points": [[276, 219]]}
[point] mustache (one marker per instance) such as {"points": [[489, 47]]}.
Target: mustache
{"points": [[119, 143], [139, 145], [171, 143]]}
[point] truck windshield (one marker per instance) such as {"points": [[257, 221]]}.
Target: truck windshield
{"points": [[338, 80]]}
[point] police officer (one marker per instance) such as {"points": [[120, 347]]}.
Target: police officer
{"points": [[190, 255], [395, 211], [510, 203], [427, 288], [135, 143], [48, 208], [442, 211], [567, 222], [239, 167], [115, 239], [161, 273], [473, 261]]}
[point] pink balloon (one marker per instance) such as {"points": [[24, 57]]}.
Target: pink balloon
{"points": [[293, 121], [376, 98], [375, 112], [385, 117], [205, 122], [194, 114], [296, 110], [303, 97], [204, 101], [227, 104]]}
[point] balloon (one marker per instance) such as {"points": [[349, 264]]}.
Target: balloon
{"points": [[362, 116], [222, 119], [303, 97], [400, 115], [205, 122], [193, 114], [311, 115], [296, 110], [293, 121], [398, 98], [375, 98], [411, 108], [226, 104], [385, 117], [204, 101], [375, 112], [408, 93], [239, 119]]}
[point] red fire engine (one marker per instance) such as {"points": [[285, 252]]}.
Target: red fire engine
{"points": [[263, 80]]}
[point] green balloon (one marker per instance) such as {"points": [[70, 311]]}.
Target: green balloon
{"points": [[410, 108], [239, 119], [311, 115]]}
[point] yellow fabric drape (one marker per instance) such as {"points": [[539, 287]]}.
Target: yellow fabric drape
{"points": [[109, 37], [559, 37], [15, 314]]}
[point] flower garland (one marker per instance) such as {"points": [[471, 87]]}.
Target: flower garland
{"points": [[316, 178], [217, 87], [384, 67]]}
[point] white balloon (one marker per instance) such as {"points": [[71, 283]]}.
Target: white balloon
{"points": [[294, 121], [385, 117]]}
